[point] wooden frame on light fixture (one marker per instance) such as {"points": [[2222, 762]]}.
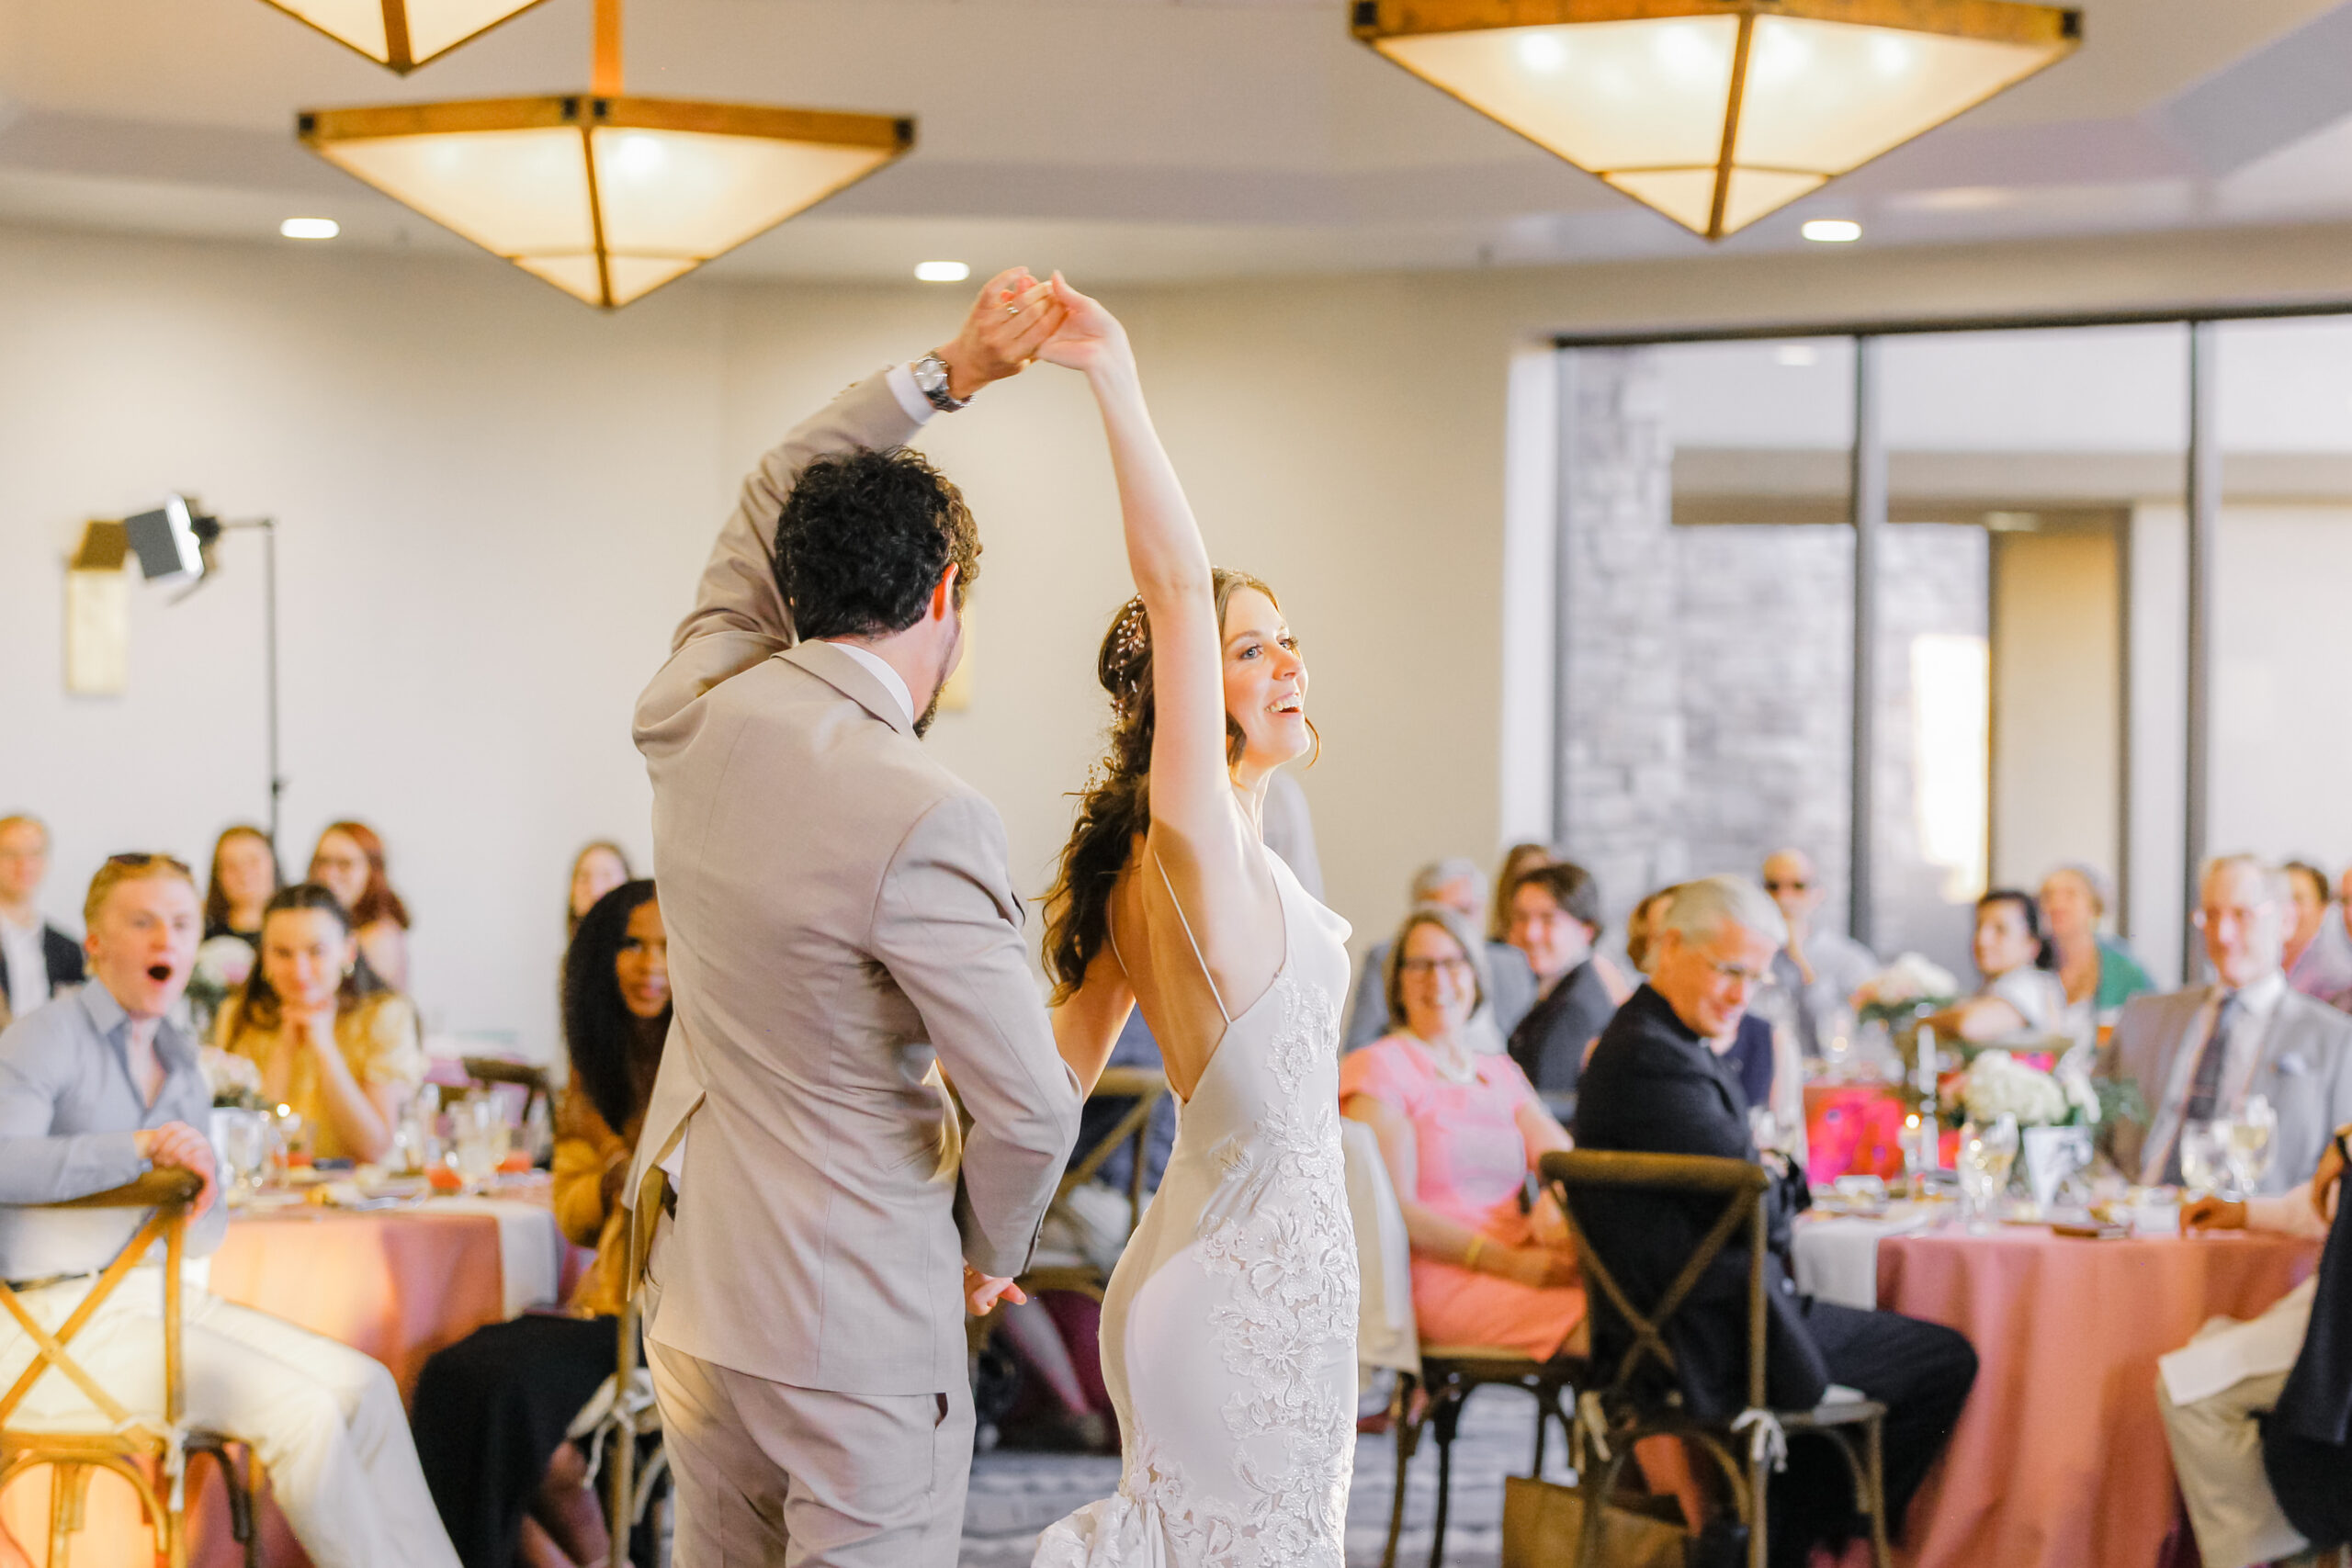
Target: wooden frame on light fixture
{"points": [[400, 59]]}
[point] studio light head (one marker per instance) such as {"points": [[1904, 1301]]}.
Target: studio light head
{"points": [[174, 543]]}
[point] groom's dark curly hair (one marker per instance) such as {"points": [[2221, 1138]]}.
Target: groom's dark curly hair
{"points": [[863, 540]]}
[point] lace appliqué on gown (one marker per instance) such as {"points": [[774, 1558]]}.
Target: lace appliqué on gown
{"points": [[1293, 1266]]}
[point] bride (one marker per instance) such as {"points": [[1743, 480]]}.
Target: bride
{"points": [[1228, 1330]]}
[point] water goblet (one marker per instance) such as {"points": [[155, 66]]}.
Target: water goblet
{"points": [[2204, 1161], [2246, 1145], [244, 1148]]}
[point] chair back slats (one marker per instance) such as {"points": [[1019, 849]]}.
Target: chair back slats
{"points": [[168, 1193], [1600, 1175]]}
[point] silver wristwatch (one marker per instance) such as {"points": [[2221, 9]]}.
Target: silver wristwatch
{"points": [[930, 380]]}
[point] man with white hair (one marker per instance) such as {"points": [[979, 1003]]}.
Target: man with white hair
{"points": [[1456, 884], [1652, 1086], [2202, 1053]]}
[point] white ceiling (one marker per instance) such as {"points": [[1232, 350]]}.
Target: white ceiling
{"points": [[1137, 139]]}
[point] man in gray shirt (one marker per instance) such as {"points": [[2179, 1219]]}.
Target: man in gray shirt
{"points": [[98, 1087]]}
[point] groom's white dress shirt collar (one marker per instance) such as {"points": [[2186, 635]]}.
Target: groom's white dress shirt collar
{"points": [[880, 669]]}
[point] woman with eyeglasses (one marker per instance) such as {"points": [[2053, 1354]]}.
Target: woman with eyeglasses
{"points": [[1459, 1131]]}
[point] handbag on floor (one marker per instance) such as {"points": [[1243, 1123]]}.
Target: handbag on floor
{"points": [[1541, 1522]]}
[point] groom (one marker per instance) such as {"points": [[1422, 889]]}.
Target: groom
{"points": [[843, 932]]}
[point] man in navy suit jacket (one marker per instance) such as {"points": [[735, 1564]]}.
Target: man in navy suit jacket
{"points": [[1653, 1085]]}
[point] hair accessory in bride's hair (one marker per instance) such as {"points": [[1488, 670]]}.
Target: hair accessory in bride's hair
{"points": [[1131, 641]]}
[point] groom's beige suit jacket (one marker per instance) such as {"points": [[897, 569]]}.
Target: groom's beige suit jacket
{"points": [[839, 917]]}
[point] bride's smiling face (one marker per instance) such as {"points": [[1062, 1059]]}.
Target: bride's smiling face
{"points": [[1266, 683]]}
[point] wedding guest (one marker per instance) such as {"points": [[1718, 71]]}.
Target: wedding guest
{"points": [[350, 863], [1815, 975], [1451, 884], [596, 870], [2200, 1053], [1641, 923], [244, 875], [492, 1410], [1554, 921], [36, 959], [1518, 860], [2098, 970], [1459, 1131], [98, 1088], [2219, 1393], [2317, 959], [339, 1049], [2020, 1000], [1652, 1087]]}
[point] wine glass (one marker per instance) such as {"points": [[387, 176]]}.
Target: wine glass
{"points": [[2246, 1145], [2204, 1157], [1986, 1153], [244, 1148]]}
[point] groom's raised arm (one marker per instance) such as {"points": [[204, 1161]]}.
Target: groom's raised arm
{"points": [[740, 617]]}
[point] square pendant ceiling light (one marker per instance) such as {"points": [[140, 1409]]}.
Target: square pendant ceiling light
{"points": [[403, 34], [607, 198], [1717, 112]]}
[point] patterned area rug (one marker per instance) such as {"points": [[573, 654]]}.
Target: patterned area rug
{"points": [[1014, 1495]]}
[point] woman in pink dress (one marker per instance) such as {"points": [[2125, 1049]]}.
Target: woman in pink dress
{"points": [[1459, 1131]]}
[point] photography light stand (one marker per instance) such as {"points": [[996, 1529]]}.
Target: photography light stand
{"points": [[174, 544]]}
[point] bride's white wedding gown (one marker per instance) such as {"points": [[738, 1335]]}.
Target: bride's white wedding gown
{"points": [[1230, 1327]]}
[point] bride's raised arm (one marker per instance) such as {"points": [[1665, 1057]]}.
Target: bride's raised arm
{"points": [[1191, 789]]}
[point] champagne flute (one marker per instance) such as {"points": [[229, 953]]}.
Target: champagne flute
{"points": [[2247, 1147], [2202, 1158]]}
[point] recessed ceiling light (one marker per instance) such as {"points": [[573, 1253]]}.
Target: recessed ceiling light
{"points": [[310, 228], [1831, 230], [941, 272], [1796, 356]]}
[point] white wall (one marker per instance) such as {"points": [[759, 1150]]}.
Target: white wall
{"points": [[493, 501], [2054, 703]]}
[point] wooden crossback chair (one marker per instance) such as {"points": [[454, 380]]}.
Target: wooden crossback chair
{"points": [[1452, 1374], [1145, 1087], [157, 1439], [1619, 1415], [626, 1433]]}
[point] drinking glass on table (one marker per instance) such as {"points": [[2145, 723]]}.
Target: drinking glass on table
{"points": [[2246, 1145], [1986, 1152], [244, 1149], [481, 1137], [2204, 1160]]}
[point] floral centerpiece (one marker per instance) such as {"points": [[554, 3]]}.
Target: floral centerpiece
{"points": [[2057, 1113], [222, 964], [234, 1080], [1912, 985]]}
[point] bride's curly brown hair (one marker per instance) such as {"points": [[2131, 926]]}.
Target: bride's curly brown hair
{"points": [[1116, 804]]}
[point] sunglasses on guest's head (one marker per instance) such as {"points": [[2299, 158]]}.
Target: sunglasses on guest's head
{"points": [[1775, 885], [136, 860]]}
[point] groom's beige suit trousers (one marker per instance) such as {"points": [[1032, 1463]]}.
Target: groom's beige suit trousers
{"points": [[842, 931]]}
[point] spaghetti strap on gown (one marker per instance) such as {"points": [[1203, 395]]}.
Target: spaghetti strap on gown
{"points": [[1230, 1326]]}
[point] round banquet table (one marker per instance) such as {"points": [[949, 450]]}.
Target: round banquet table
{"points": [[2059, 1460], [397, 1283]]}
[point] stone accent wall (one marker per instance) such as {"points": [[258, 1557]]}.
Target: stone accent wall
{"points": [[1709, 673]]}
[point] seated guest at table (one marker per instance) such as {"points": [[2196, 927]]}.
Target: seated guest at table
{"points": [[330, 1041], [1451, 884], [1818, 973], [2020, 1000], [1641, 923], [2200, 1055], [244, 875], [2217, 1396], [596, 870], [493, 1409], [1652, 1087], [1459, 1131], [1518, 860], [1554, 921], [350, 863], [2318, 959], [36, 959], [2098, 969], [99, 1086]]}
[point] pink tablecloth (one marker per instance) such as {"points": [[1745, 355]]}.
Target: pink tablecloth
{"points": [[2060, 1460], [399, 1284]]}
